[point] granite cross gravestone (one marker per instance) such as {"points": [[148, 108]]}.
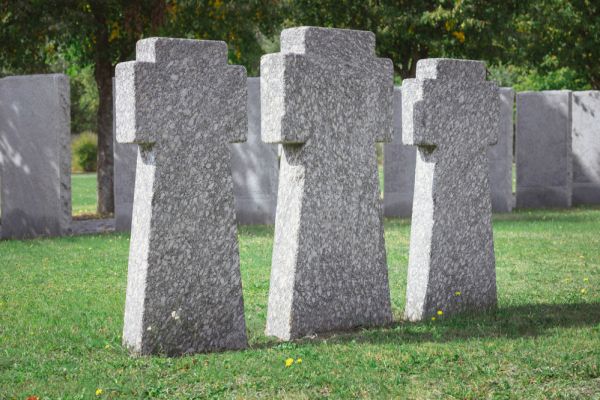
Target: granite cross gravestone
{"points": [[450, 112], [35, 155], [182, 104], [543, 149], [586, 147], [327, 99], [399, 168]]}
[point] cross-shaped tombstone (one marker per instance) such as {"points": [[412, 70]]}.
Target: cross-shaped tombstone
{"points": [[451, 113], [182, 104], [327, 99]]}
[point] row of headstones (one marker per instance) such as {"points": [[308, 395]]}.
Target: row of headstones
{"points": [[327, 99], [557, 153], [554, 130], [35, 163]]}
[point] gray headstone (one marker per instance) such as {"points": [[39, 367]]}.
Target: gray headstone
{"points": [[35, 155], [182, 104], [543, 149], [501, 155], [327, 99], [125, 156], [586, 147], [398, 168], [255, 169], [451, 113]]}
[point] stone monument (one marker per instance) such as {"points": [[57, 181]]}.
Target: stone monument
{"points": [[586, 147], [182, 104], [255, 169], [450, 112], [543, 149], [501, 155], [398, 168], [35, 155], [328, 100]]}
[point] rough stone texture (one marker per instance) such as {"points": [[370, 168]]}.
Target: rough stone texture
{"points": [[543, 149], [125, 156], [255, 169], [327, 99], [92, 226], [35, 155], [398, 168], [501, 155], [451, 113], [586, 147], [182, 104]]}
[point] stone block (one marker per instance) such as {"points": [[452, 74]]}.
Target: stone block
{"points": [[182, 104], [398, 168], [255, 169], [35, 155], [327, 99], [501, 155], [586, 147], [450, 112], [543, 149]]}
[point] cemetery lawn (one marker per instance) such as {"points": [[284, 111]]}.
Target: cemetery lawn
{"points": [[83, 197], [61, 311]]}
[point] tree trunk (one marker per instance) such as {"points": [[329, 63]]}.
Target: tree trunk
{"points": [[103, 76]]}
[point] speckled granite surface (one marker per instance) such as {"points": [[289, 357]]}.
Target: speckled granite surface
{"points": [[182, 104], [327, 99], [451, 114]]}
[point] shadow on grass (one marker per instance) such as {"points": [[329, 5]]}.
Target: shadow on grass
{"points": [[508, 322], [568, 215]]}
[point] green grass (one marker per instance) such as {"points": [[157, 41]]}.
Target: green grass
{"points": [[83, 193], [61, 311]]}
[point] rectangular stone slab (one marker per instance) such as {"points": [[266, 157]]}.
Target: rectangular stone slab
{"points": [[399, 168], [35, 155], [182, 104], [327, 99], [586, 147], [450, 112], [255, 169], [501, 155], [543, 149]]}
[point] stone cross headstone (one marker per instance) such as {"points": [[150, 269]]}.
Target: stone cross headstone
{"points": [[182, 104], [125, 157], [35, 156], [255, 168], [501, 155], [586, 147], [327, 99], [399, 168], [543, 149], [450, 112]]}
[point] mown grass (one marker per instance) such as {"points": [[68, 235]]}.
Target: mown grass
{"points": [[83, 193], [61, 310]]}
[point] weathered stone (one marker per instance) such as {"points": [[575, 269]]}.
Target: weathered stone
{"points": [[543, 149], [35, 155], [586, 147], [182, 104], [398, 168], [125, 156], [255, 169], [451, 113], [501, 155], [327, 99]]}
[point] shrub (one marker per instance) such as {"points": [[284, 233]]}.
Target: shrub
{"points": [[85, 152]]}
